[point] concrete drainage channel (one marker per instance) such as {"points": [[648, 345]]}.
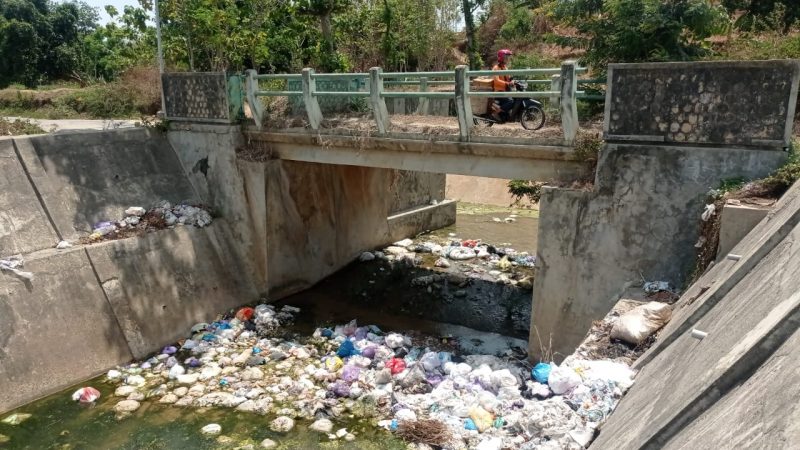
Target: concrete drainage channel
{"points": [[188, 357], [125, 289]]}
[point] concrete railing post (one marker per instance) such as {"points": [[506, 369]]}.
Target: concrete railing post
{"points": [[463, 106], [256, 109], [569, 105], [377, 101], [555, 86], [312, 105], [424, 105]]}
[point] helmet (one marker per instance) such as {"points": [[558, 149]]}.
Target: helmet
{"points": [[501, 55]]}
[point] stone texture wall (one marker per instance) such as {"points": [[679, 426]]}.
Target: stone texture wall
{"points": [[197, 96], [725, 103]]}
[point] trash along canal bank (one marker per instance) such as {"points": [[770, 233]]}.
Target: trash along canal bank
{"points": [[272, 376], [374, 357]]}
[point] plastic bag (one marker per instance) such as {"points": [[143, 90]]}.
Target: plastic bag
{"points": [[369, 351], [350, 373], [86, 395], [396, 365], [333, 363], [430, 361], [394, 340], [346, 349], [483, 419], [541, 372], [245, 314], [639, 323], [341, 389], [469, 424], [563, 379]]}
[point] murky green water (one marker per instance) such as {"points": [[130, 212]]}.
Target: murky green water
{"points": [[59, 423], [475, 221]]}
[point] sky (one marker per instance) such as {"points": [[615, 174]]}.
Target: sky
{"points": [[100, 4]]}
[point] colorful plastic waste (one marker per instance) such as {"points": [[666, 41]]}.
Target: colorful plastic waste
{"points": [[396, 365], [86, 395], [541, 372]]}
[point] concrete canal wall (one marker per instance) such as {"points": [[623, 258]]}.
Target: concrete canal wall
{"points": [[280, 228]]}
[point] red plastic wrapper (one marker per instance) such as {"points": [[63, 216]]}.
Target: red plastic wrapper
{"points": [[86, 395], [245, 313], [396, 365], [471, 243]]}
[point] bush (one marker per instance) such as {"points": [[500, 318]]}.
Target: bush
{"points": [[103, 101], [19, 127]]}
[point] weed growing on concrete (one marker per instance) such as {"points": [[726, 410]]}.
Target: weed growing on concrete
{"points": [[19, 127]]}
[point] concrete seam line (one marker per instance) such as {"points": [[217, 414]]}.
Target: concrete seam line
{"points": [[36, 190], [743, 364], [105, 295], [726, 286]]}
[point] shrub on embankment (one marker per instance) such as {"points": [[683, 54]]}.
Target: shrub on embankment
{"points": [[136, 93]]}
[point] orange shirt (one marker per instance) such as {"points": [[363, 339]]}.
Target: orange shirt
{"points": [[500, 83]]}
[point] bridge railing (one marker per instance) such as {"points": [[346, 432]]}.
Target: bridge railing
{"points": [[562, 92]]}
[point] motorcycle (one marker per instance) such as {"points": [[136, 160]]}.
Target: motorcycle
{"points": [[529, 112]]}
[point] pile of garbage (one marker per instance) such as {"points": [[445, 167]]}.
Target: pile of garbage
{"points": [[137, 219], [418, 391], [473, 256]]}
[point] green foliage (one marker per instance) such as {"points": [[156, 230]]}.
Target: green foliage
{"points": [[764, 15], [640, 30], [518, 25], [783, 178], [532, 190], [587, 150]]}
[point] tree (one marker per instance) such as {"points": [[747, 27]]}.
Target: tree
{"points": [[469, 8], [45, 39], [640, 30], [323, 10], [760, 15]]}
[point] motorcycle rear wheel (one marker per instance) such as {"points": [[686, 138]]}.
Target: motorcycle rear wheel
{"points": [[532, 118]]}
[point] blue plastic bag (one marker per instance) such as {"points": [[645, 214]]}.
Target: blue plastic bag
{"points": [[469, 424], [346, 349], [541, 372]]}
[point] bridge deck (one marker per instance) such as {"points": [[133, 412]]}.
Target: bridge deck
{"points": [[495, 158]]}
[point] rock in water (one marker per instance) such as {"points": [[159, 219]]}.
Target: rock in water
{"points": [[268, 443], [124, 391], [127, 406], [212, 428], [282, 424], [16, 419], [322, 425]]}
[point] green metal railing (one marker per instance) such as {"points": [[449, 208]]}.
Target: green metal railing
{"points": [[372, 86]]}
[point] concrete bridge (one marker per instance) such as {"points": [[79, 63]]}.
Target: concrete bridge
{"points": [[494, 158], [305, 204]]}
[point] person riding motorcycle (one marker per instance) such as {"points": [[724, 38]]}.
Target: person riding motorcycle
{"points": [[503, 83]]}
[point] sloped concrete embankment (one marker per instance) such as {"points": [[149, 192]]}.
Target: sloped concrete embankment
{"points": [[737, 387], [283, 227], [91, 307]]}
